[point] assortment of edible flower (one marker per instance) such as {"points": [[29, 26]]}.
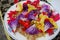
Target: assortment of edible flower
{"points": [[33, 18]]}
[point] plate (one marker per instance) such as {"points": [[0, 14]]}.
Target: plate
{"points": [[18, 36], [55, 4]]}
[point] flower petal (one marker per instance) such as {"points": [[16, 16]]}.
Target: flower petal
{"points": [[13, 24], [32, 30], [47, 25]]}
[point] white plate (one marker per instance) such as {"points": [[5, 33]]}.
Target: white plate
{"points": [[55, 4], [18, 36]]}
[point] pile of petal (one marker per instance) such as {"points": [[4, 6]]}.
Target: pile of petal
{"points": [[33, 18]]}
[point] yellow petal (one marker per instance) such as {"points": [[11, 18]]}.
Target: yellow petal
{"points": [[31, 7], [19, 7]]}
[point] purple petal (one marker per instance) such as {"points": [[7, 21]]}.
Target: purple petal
{"points": [[32, 12], [32, 30], [24, 12], [13, 24], [45, 6], [48, 25], [20, 16], [31, 17], [49, 13]]}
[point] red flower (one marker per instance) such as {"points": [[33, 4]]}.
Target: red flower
{"points": [[46, 20], [13, 31], [29, 2], [40, 31], [15, 1], [36, 3], [44, 13], [39, 8], [12, 16], [25, 24], [50, 31], [9, 21], [55, 17], [38, 19], [35, 14]]}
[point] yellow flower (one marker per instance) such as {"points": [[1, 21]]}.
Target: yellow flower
{"points": [[19, 7], [31, 7]]}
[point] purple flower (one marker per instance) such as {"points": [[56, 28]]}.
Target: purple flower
{"points": [[45, 6], [13, 24], [32, 30], [50, 13], [20, 16], [31, 17], [47, 25], [24, 12], [32, 12]]}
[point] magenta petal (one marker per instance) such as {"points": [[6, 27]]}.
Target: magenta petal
{"points": [[32, 30], [56, 17]]}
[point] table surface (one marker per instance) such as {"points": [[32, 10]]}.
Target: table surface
{"points": [[4, 5]]}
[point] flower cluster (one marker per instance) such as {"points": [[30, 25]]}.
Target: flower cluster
{"points": [[33, 18]]}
